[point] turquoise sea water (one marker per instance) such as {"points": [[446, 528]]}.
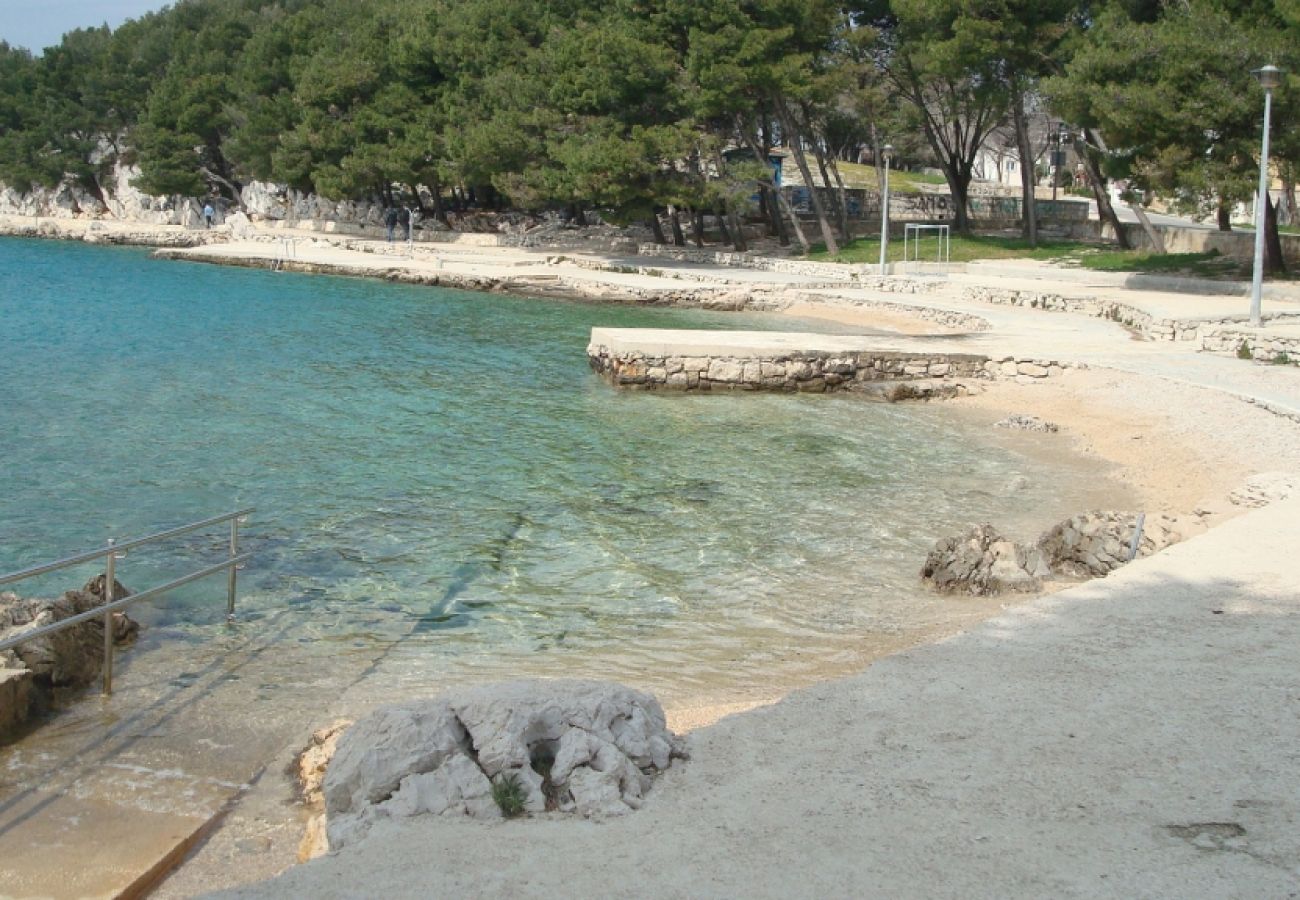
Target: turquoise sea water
{"points": [[438, 474]]}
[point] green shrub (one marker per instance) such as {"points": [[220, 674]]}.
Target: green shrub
{"points": [[1243, 350], [509, 794]]}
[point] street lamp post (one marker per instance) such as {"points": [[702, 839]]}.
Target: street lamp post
{"points": [[887, 153], [1269, 78]]}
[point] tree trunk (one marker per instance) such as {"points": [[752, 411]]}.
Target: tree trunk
{"points": [[737, 230], [439, 211], [697, 219], [1274, 264], [844, 200], [1223, 214], [776, 190], [1286, 204], [207, 173], [1028, 204], [679, 239], [657, 228], [722, 226], [837, 197], [1157, 242], [1097, 181], [958, 177], [796, 147]]}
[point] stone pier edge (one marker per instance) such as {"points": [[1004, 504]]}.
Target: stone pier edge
{"points": [[892, 374]]}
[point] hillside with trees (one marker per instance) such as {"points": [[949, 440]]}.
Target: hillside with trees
{"points": [[637, 106]]}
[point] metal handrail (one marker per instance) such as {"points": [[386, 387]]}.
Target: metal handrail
{"points": [[111, 553], [122, 547]]}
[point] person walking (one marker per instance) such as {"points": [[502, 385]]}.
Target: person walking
{"points": [[208, 214], [390, 221], [405, 219]]}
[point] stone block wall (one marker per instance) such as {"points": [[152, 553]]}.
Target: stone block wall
{"points": [[871, 370], [1224, 336], [1229, 337]]}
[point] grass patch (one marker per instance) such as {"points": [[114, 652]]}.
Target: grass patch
{"points": [[860, 176], [1198, 265], [964, 249], [1100, 258], [509, 794]]}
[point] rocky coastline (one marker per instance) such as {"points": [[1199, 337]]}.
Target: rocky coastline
{"points": [[34, 673]]}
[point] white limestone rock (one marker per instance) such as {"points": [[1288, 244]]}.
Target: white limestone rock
{"points": [[584, 746], [1027, 423], [1094, 544], [982, 562], [1265, 488]]}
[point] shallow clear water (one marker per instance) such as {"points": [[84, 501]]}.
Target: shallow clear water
{"points": [[445, 491]]}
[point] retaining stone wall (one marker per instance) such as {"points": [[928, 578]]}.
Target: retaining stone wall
{"points": [[1213, 336], [894, 375], [1223, 337]]}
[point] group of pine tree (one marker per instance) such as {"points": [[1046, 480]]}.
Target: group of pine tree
{"points": [[630, 106]]}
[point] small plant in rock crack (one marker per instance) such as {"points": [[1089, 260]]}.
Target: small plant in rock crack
{"points": [[509, 794], [1243, 350]]}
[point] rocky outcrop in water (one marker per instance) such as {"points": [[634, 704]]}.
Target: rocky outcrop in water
{"points": [[583, 747], [981, 561], [30, 672]]}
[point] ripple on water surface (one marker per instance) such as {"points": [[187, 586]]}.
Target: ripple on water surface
{"points": [[445, 492]]}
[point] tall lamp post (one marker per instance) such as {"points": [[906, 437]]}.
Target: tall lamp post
{"points": [[1269, 78], [886, 153]]}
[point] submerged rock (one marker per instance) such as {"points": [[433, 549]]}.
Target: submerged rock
{"points": [[70, 658], [585, 747]]}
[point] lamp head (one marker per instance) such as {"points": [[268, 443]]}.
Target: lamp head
{"points": [[887, 152], [1269, 77]]}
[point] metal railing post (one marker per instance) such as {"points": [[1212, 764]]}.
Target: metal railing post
{"points": [[230, 576], [110, 576]]}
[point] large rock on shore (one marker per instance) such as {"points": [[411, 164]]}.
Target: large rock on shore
{"points": [[983, 561], [70, 658], [585, 747], [1094, 544]]}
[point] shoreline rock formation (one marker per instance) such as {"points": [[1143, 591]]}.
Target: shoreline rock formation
{"points": [[981, 561], [32, 672], [584, 747]]}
